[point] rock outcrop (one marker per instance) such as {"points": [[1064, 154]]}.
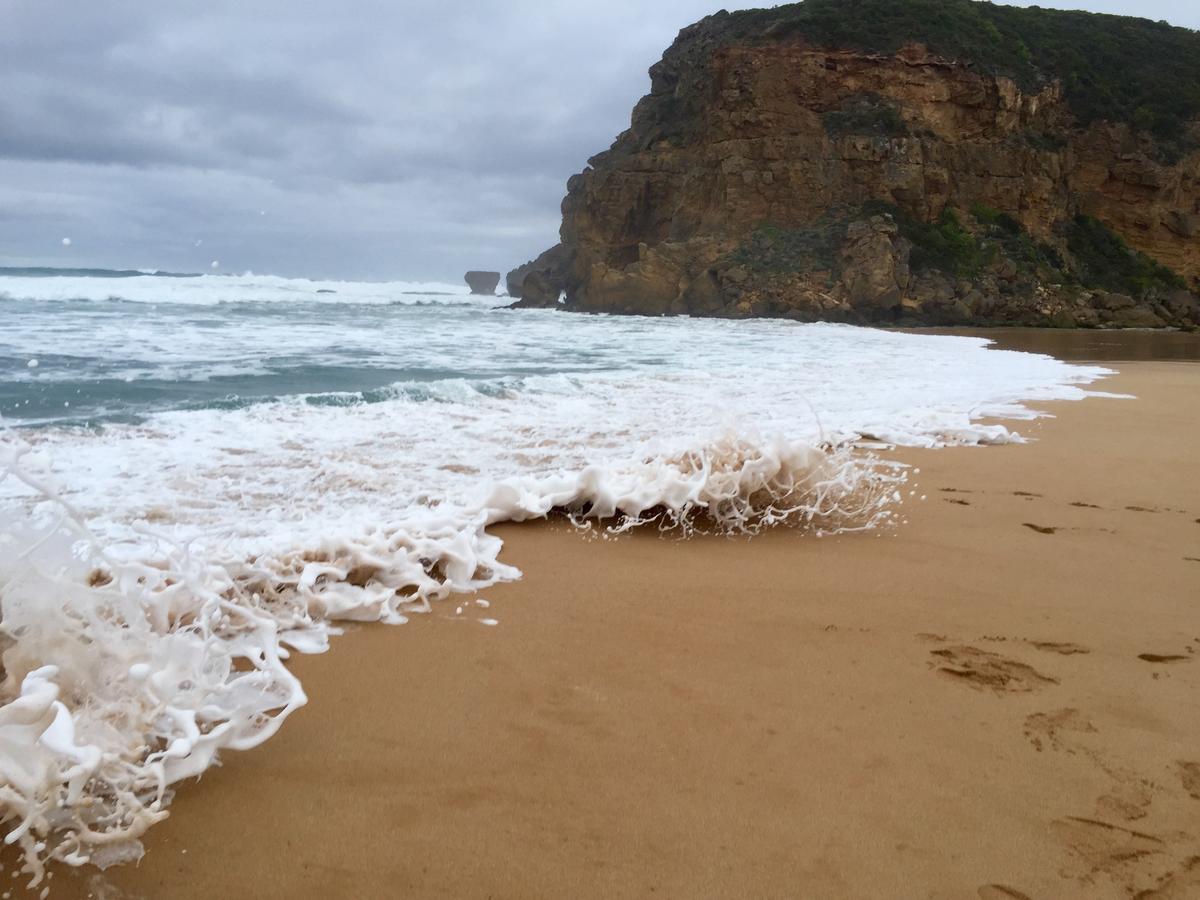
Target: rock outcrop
{"points": [[482, 282], [538, 291], [771, 174], [551, 267]]}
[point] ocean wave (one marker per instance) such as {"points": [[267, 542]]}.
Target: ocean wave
{"points": [[137, 668], [214, 290], [52, 272], [156, 574]]}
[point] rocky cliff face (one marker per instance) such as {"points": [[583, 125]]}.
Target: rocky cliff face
{"points": [[769, 176]]}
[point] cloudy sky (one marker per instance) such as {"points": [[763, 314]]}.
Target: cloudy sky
{"points": [[369, 139]]}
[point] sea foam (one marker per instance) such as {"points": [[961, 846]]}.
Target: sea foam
{"points": [[213, 290], [156, 574], [164, 656]]}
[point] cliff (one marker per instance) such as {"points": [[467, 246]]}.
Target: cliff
{"points": [[923, 161]]}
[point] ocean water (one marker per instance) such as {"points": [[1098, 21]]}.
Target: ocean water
{"points": [[204, 474]]}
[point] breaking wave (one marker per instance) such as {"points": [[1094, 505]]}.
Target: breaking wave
{"points": [[210, 477], [136, 668], [131, 286]]}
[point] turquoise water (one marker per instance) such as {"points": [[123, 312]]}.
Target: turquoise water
{"points": [[101, 361], [248, 461]]}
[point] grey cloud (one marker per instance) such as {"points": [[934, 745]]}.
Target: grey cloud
{"points": [[381, 139]]}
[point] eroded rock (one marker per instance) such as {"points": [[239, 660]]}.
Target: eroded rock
{"points": [[847, 155], [483, 283]]}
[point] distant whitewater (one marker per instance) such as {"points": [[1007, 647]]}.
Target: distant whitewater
{"points": [[203, 473]]}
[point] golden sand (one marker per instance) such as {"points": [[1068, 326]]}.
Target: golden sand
{"points": [[1000, 699]]}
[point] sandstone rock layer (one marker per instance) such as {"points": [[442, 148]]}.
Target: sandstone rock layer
{"points": [[774, 177], [482, 282]]}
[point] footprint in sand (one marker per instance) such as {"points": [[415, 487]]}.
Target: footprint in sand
{"points": [[1132, 859], [1063, 648], [982, 670], [1045, 729], [932, 638], [1129, 800], [1083, 505], [1103, 848], [1001, 892], [1189, 774], [1026, 494], [958, 502], [1181, 884], [1164, 657], [1040, 529]]}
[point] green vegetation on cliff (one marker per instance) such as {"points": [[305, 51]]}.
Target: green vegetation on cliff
{"points": [[1112, 67], [1017, 244], [949, 246], [1107, 261], [1099, 259], [865, 113], [772, 250], [944, 244]]}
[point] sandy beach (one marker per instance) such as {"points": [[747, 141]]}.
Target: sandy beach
{"points": [[996, 700], [752, 452]]}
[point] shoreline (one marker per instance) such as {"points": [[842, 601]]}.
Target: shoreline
{"points": [[1085, 345], [946, 709]]}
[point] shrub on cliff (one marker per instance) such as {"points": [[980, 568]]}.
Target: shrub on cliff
{"points": [[1099, 258], [1017, 244], [865, 113], [772, 250], [945, 245], [1106, 261], [1117, 68]]}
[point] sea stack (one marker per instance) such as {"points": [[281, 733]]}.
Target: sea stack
{"points": [[550, 269], [482, 282], [862, 161], [538, 291]]}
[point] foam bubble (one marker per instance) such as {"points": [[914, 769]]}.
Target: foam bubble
{"points": [[168, 656], [156, 576], [212, 289]]}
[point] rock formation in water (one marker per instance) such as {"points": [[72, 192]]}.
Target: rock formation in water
{"points": [[538, 291], [482, 282], [911, 161], [545, 285]]}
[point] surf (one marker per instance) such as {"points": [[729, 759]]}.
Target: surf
{"points": [[157, 572]]}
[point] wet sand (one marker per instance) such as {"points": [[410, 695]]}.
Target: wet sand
{"points": [[997, 700], [1089, 345]]}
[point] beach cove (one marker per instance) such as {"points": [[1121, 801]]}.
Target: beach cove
{"points": [[996, 699]]}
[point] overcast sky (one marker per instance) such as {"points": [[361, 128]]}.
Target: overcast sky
{"points": [[371, 139]]}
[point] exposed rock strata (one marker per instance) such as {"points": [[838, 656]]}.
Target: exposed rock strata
{"points": [[551, 266], [482, 282], [538, 291], [775, 178]]}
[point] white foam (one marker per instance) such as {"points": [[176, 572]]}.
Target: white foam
{"points": [[172, 655], [213, 289], [218, 539]]}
